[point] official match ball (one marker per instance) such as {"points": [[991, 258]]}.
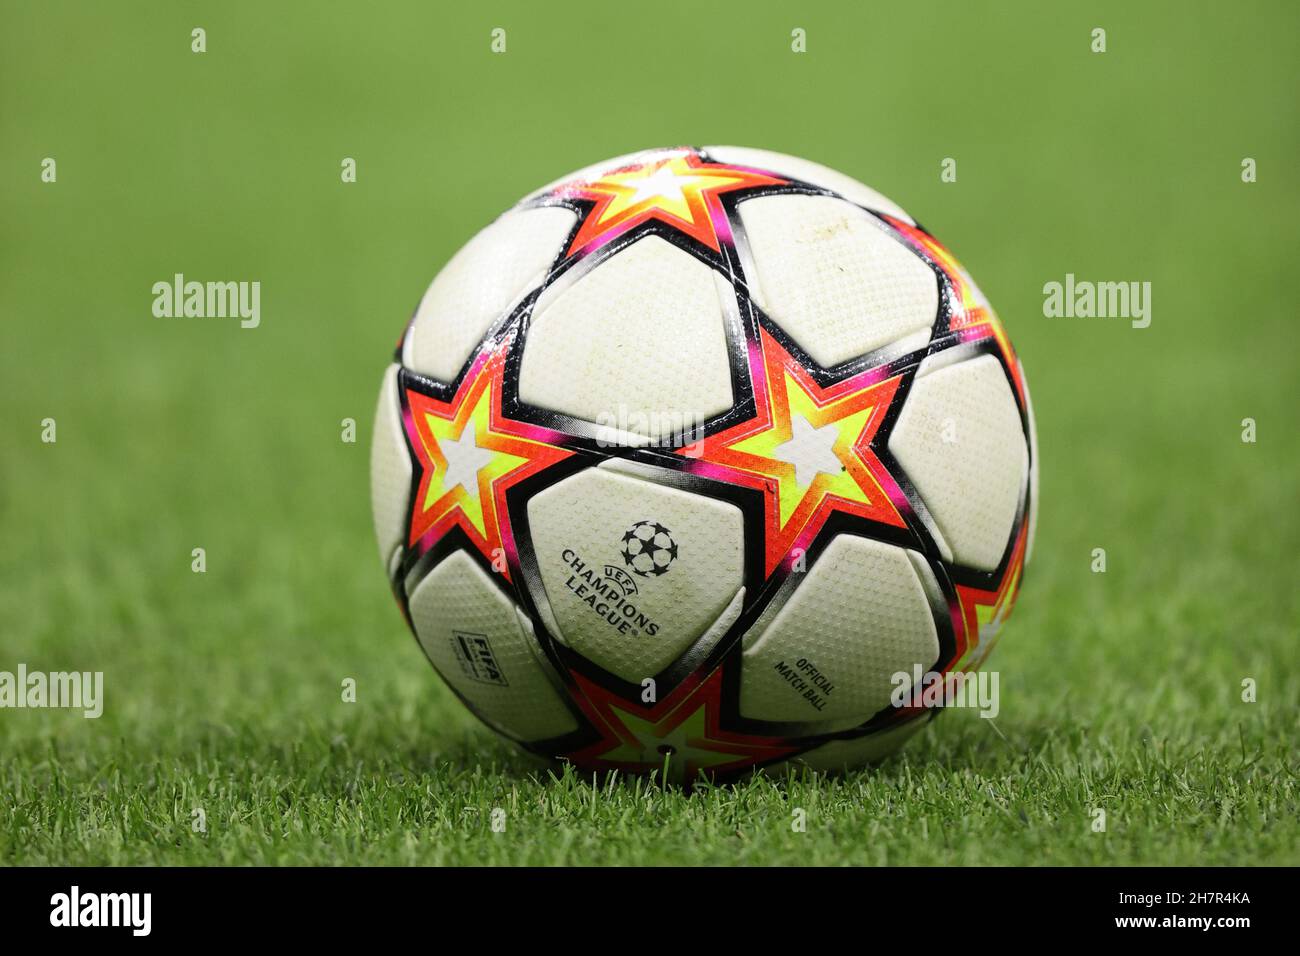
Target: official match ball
{"points": [[703, 460]]}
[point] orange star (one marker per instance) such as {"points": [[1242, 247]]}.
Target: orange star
{"points": [[983, 613], [678, 189], [972, 317], [470, 454], [808, 449], [683, 731]]}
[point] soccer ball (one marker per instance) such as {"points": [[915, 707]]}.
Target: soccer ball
{"points": [[702, 460]]}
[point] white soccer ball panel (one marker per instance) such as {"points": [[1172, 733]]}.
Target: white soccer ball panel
{"points": [[623, 600], [638, 340], [857, 617], [835, 278], [812, 173], [484, 647], [480, 284], [390, 470], [839, 755], [960, 441]]}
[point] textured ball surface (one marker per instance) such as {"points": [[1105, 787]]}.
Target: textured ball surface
{"points": [[696, 458]]}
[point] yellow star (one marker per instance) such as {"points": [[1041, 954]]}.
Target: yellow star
{"points": [[679, 189], [683, 729], [466, 461], [652, 742], [785, 449], [807, 449], [470, 454]]}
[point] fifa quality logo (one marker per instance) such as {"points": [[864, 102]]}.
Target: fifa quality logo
{"points": [[476, 659]]}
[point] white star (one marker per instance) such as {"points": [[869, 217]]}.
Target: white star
{"points": [[662, 183], [811, 450], [464, 459]]}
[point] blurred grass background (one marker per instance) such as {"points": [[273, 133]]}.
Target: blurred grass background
{"points": [[1121, 690]]}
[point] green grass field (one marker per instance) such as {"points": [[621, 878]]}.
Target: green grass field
{"points": [[1120, 691]]}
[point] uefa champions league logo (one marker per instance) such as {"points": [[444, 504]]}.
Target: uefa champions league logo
{"points": [[649, 549]]}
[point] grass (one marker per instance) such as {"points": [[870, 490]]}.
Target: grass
{"points": [[1120, 691], [393, 785]]}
